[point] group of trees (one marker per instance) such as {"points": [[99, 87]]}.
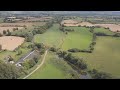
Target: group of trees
{"points": [[53, 49], [30, 63], [58, 19], [99, 75], [9, 71], [78, 62], [38, 46], [7, 33], [65, 30], [14, 29], [42, 29], [101, 34], [29, 35], [78, 50], [19, 52], [116, 35]]}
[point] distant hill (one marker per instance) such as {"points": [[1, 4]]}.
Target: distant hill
{"points": [[7, 13]]}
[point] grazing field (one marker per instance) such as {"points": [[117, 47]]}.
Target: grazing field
{"points": [[103, 30], [105, 56], [52, 37], [80, 38], [53, 68], [10, 42]]}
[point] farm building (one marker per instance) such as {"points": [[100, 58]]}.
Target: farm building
{"points": [[11, 19]]}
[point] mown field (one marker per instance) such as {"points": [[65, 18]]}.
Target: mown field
{"points": [[54, 68], [52, 37], [80, 38], [105, 56]]}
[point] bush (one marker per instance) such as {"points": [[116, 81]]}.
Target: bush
{"points": [[35, 59], [78, 50], [78, 62], [99, 75], [116, 35], [74, 50], [42, 51], [19, 52], [28, 37], [31, 63], [101, 34], [53, 49]]}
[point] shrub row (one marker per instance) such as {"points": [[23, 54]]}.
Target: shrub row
{"points": [[78, 62]]}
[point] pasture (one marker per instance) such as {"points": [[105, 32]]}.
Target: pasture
{"points": [[80, 38], [105, 56], [103, 30], [52, 37]]}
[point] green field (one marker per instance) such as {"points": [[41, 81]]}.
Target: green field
{"points": [[53, 68], [52, 37], [105, 56], [103, 30], [80, 38]]}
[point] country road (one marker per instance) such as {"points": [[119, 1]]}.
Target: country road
{"points": [[43, 60]]}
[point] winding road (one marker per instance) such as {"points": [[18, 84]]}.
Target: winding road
{"points": [[43, 60]]}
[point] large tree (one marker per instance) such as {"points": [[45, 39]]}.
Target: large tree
{"points": [[8, 71]]}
